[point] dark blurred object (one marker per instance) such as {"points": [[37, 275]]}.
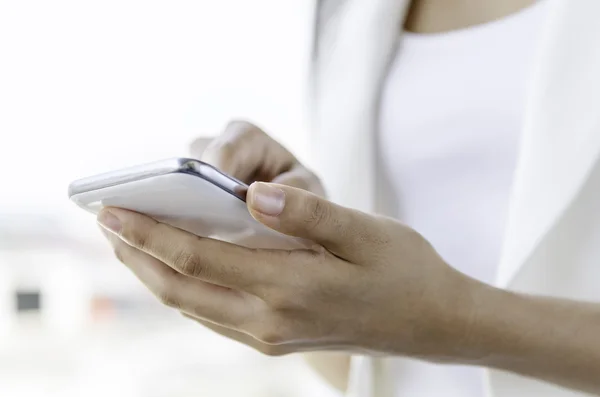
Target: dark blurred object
{"points": [[28, 301]]}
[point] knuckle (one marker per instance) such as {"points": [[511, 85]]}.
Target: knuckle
{"points": [[380, 233], [168, 299], [167, 295], [317, 213], [188, 263], [272, 337], [270, 350], [275, 330], [135, 237], [119, 253]]}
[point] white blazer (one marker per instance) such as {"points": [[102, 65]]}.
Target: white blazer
{"points": [[552, 243]]}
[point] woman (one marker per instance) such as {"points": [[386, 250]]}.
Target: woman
{"points": [[431, 137]]}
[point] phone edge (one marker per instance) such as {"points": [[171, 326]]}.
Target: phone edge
{"points": [[162, 167]]}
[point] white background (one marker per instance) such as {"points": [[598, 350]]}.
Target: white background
{"points": [[89, 86]]}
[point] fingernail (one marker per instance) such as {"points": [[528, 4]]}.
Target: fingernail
{"points": [[267, 199], [109, 221]]}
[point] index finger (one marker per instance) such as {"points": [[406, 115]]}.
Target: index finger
{"points": [[210, 260], [244, 151]]}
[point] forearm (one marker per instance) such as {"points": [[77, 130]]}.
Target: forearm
{"points": [[550, 339]]}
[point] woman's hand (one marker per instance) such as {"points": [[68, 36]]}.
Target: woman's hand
{"points": [[247, 153], [376, 285]]}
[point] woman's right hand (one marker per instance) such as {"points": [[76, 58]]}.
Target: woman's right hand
{"points": [[247, 153]]}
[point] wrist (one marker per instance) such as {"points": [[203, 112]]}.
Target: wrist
{"points": [[477, 322], [457, 320], [493, 329]]}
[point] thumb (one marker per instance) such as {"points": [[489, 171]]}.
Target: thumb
{"points": [[299, 213]]}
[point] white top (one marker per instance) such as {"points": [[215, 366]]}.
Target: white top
{"points": [[450, 155]]}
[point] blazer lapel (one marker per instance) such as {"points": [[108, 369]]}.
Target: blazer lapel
{"points": [[355, 41], [561, 138]]}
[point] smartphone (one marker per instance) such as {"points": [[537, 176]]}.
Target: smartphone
{"points": [[184, 193]]}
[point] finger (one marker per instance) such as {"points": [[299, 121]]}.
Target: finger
{"points": [[244, 151], [295, 212], [301, 178], [198, 146], [238, 336], [213, 261], [187, 294]]}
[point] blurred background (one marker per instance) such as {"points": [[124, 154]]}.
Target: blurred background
{"points": [[86, 87]]}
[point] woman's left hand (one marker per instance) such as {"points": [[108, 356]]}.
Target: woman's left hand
{"points": [[374, 286]]}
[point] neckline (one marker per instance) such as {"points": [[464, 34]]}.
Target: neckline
{"points": [[484, 27]]}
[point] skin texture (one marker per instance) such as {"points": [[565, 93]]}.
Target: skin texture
{"points": [[372, 285], [247, 153], [437, 16], [303, 300]]}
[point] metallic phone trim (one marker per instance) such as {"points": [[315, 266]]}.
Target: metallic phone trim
{"points": [[177, 165]]}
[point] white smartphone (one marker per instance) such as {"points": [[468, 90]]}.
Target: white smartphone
{"points": [[185, 193]]}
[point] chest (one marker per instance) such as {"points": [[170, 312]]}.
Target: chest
{"points": [[459, 97], [558, 145], [450, 122]]}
